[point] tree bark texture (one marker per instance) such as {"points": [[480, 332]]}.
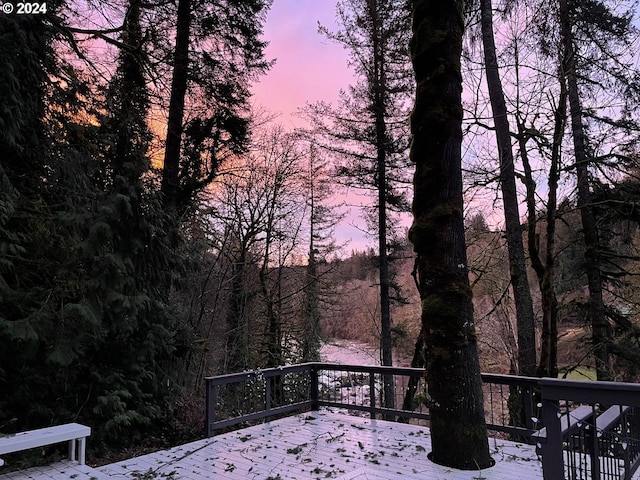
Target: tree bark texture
{"points": [[458, 429], [525, 319], [601, 336]]}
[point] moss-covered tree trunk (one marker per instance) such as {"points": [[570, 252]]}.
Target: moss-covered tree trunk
{"points": [[458, 430]]}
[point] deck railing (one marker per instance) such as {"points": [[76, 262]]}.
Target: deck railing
{"points": [[543, 411], [601, 441]]}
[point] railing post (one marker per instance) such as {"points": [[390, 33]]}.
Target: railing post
{"points": [[593, 447], [210, 413], [267, 389], [625, 433], [313, 373], [372, 394], [529, 401], [552, 461]]}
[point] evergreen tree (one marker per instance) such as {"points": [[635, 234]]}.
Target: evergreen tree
{"points": [[86, 255], [322, 221], [32, 243], [368, 129], [615, 209], [129, 263], [217, 52]]}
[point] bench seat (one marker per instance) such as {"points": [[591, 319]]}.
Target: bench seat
{"points": [[610, 418], [74, 433], [569, 421], [604, 422]]}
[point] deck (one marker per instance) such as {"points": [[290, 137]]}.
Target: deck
{"points": [[314, 445]]}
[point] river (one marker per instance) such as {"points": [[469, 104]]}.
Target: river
{"points": [[348, 352]]}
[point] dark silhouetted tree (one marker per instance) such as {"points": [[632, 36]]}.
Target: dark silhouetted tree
{"points": [[458, 429], [368, 132], [217, 51]]}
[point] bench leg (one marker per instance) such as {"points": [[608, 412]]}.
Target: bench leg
{"points": [[77, 449], [82, 445], [72, 450]]}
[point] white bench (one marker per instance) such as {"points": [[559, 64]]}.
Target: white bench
{"points": [[568, 422], [74, 433], [604, 422]]}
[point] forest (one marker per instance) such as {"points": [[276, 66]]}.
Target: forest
{"points": [[156, 228]]}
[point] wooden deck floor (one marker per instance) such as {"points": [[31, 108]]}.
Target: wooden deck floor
{"points": [[315, 445]]}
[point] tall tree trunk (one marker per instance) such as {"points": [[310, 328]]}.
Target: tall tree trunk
{"points": [[545, 271], [519, 281], [601, 335], [378, 85], [458, 429], [171, 168]]}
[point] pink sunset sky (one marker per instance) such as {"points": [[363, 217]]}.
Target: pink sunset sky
{"points": [[308, 67]]}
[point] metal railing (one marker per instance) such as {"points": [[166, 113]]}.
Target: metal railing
{"points": [[601, 444], [533, 410]]}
